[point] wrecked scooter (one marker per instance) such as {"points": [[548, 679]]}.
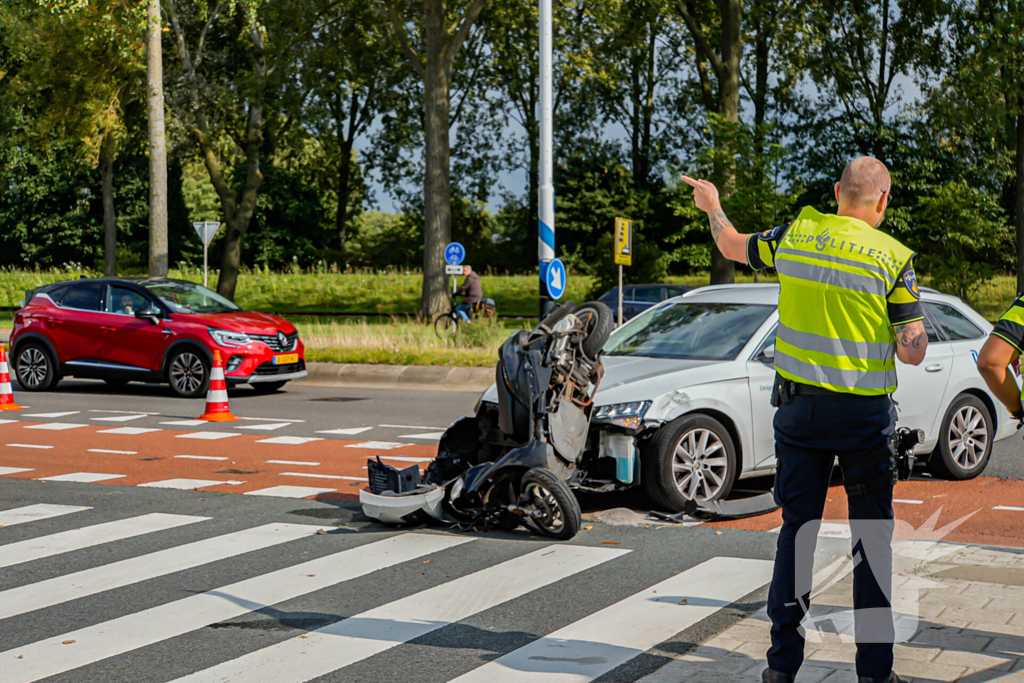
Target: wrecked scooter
{"points": [[519, 470]]}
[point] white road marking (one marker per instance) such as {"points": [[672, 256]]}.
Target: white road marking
{"points": [[1008, 507], [827, 530], [60, 589], [189, 484], [119, 418], [594, 645], [290, 440], [349, 431], [29, 445], [128, 431], [199, 457], [313, 475], [351, 640], [207, 436], [293, 462], [429, 436], [907, 501], [83, 477], [405, 458], [54, 416], [13, 470], [52, 656], [33, 513], [86, 537], [378, 445], [186, 423], [268, 427], [289, 492], [410, 427], [54, 426], [130, 412], [9, 422], [270, 419], [102, 450]]}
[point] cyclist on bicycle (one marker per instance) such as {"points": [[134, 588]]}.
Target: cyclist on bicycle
{"points": [[470, 291]]}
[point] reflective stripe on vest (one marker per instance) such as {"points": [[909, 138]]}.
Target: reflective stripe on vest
{"points": [[835, 274]]}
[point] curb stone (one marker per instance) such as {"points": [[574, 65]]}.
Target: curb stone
{"points": [[414, 377], [364, 375]]}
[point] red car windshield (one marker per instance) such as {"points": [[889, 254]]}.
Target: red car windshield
{"points": [[185, 297]]}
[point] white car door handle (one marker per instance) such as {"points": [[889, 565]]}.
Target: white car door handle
{"points": [[934, 368]]}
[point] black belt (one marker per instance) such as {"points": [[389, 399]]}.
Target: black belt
{"points": [[810, 390]]}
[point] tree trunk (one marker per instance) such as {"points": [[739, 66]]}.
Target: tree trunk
{"points": [[344, 188], [731, 46], [157, 143], [437, 181], [238, 221], [109, 214], [1019, 202]]}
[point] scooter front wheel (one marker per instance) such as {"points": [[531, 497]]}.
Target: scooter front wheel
{"points": [[556, 510]]}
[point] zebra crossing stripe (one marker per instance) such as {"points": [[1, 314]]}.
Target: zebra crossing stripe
{"points": [[32, 513], [593, 646], [56, 655], [86, 537], [60, 589], [351, 640]]}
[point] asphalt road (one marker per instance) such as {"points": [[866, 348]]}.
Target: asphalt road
{"points": [[323, 408]]}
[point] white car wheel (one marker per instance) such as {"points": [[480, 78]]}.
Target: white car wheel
{"points": [[691, 458], [965, 440]]}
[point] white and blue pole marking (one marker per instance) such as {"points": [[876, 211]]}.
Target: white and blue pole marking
{"points": [[546, 191]]}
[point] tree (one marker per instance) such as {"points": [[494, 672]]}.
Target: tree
{"points": [[228, 94], [351, 74], [157, 141], [719, 73], [441, 35]]}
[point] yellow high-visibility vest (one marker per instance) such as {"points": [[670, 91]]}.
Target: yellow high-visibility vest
{"points": [[1015, 316], [836, 273]]}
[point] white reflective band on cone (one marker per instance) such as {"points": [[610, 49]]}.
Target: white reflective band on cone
{"points": [[217, 396], [216, 374], [5, 388]]}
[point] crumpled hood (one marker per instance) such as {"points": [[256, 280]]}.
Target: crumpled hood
{"points": [[251, 322], [628, 378]]}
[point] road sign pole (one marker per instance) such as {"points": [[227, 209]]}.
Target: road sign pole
{"points": [[546, 191], [620, 295], [206, 266]]}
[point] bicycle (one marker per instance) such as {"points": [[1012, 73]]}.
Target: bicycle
{"points": [[446, 325]]}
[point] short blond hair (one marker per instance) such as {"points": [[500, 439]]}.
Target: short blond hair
{"points": [[864, 180]]}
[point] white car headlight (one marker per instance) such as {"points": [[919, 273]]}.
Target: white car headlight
{"points": [[628, 415], [228, 338]]}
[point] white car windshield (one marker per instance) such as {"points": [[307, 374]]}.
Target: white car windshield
{"points": [[186, 297], [690, 331]]}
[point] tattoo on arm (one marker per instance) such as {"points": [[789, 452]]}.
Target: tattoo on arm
{"points": [[719, 221], [911, 335]]}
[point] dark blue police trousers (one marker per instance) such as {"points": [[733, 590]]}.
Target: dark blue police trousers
{"points": [[809, 433]]}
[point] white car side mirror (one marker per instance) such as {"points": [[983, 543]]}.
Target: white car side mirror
{"points": [[768, 354]]}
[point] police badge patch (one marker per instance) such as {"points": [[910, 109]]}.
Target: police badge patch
{"points": [[773, 234], [910, 282]]}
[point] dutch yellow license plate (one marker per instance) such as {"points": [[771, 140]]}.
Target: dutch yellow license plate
{"points": [[286, 359]]}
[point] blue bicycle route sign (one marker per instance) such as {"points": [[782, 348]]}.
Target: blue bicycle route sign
{"points": [[454, 254]]}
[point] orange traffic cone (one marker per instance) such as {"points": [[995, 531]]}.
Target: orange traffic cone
{"points": [[6, 395], [217, 409]]}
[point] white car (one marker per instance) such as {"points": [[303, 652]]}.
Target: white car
{"points": [[684, 403]]}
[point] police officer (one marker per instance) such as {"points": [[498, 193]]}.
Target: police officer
{"points": [[848, 302], [1001, 350]]}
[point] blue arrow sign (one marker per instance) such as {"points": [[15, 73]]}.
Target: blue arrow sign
{"points": [[454, 254], [555, 278]]}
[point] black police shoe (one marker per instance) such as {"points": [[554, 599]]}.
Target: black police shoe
{"points": [[772, 676], [891, 678]]}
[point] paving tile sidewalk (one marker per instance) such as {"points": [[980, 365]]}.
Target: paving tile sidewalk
{"points": [[970, 627]]}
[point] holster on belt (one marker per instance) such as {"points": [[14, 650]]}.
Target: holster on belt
{"points": [[783, 391]]}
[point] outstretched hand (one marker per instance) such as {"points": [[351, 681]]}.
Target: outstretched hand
{"points": [[705, 194]]}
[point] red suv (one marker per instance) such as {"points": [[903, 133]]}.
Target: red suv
{"points": [[149, 330]]}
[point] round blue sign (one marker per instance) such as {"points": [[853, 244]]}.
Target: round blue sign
{"points": [[454, 254], [555, 278]]}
